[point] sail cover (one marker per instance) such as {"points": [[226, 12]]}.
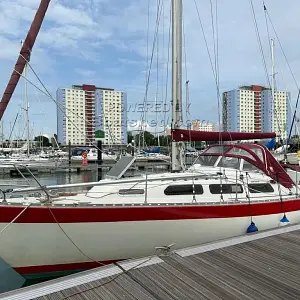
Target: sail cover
{"points": [[185, 135]]}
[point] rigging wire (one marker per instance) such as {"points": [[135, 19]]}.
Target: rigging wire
{"points": [[267, 17], [265, 65], [260, 43], [267, 27], [163, 55], [187, 108], [59, 105], [157, 83], [143, 114], [205, 40], [216, 59], [214, 65], [167, 71], [281, 47], [158, 16], [215, 41]]}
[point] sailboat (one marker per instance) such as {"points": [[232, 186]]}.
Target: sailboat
{"points": [[232, 189]]}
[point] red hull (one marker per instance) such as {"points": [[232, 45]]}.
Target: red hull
{"points": [[30, 270], [67, 215], [143, 213]]}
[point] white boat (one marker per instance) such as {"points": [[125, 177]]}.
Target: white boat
{"points": [[91, 155], [233, 186], [232, 190], [157, 157], [282, 154]]}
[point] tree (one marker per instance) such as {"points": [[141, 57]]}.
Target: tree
{"points": [[130, 137], [42, 141], [164, 140], [145, 136]]}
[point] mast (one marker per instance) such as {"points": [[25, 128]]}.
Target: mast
{"points": [[187, 106], [156, 123], [2, 135], [273, 87], [176, 79], [26, 109]]}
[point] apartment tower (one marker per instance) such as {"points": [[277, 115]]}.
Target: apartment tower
{"points": [[252, 109], [83, 109]]}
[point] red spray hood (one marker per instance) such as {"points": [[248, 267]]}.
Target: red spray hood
{"points": [[257, 155]]}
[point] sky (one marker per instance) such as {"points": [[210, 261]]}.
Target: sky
{"points": [[108, 43]]}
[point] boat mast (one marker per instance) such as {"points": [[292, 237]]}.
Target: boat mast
{"points": [[187, 107], [273, 87], [26, 108], [156, 123], [176, 78], [2, 135]]}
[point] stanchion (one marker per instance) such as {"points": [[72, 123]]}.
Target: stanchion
{"points": [[99, 159]]}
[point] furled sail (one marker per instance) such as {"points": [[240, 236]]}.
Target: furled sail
{"points": [[185, 135]]}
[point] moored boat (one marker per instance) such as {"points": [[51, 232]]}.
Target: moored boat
{"points": [[229, 187], [231, 190]]}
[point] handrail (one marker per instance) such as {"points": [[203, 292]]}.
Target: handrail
{"points": [[42, 188], [112, 182], [154, 204]]}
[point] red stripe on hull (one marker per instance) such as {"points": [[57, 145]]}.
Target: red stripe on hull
{"points": [[61, 267], [149, 213]]}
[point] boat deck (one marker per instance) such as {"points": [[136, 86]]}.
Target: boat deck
{"points": [[264, 265]]}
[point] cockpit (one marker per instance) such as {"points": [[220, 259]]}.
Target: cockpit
{"points": [[233, 156], [225, 162], [245, 157]]}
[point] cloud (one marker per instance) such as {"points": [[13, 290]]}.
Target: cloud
{"points": [[84, 72], [153, 126], [9, 49], [107, 43], [61, 14]]}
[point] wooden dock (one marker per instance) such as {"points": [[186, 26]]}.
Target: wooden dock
{"points": [[263, 265]]}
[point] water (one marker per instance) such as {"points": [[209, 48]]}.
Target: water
{"points": [[54, 179], [62, 178], [51, 179]]}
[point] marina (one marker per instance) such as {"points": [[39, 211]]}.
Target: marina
{"points": [[75, 166], [263, 265], [105, 209]]}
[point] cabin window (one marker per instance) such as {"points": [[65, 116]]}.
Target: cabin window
{"points": [[249, 167], [184, 189], [217, 149], [131, 192], [226, 188], [229, 162], [206, 160], [260, 188]]}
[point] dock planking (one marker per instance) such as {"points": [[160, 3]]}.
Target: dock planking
{"points": [[264, 265]]}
